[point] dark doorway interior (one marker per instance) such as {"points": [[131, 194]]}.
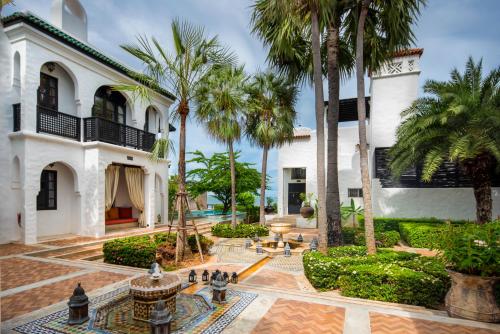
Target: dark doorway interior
{"points": [[294, 202]]}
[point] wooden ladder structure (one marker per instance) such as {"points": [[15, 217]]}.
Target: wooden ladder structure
{"points": [[181, 200]]}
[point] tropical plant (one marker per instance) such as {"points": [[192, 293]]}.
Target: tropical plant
{"points": [[460, 122], [307, 199], [221, 101], [270, 117], [351, 210], [194, 55], [279, 24], [212, 174], [383, 27]]}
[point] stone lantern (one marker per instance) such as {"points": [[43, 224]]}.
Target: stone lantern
{"points": [[300, 238], [288, 252], [78, 306], [219, 288], [161, 319], [258, 248], [313, 246], [248, 243], [192, 276]]}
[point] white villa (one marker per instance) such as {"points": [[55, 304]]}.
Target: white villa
{"points": [[73, 150], [392, 90]]}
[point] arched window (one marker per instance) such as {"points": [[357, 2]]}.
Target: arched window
{"points": [[110, 105], [152, 121]]}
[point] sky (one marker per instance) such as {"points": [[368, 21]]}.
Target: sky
{"points": [[449, 31]]}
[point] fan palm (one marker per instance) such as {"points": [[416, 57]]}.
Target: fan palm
{"points": [[180, 71], [270, 117], [286, 27], [377, 28], [458, 122], [221, 102]]}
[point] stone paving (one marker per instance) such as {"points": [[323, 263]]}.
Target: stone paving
{"points": [[285, 302]]}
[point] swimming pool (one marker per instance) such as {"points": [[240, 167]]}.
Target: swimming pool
{"points": [[214, 215]]}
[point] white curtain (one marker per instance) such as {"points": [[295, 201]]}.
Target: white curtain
{"points": [[135, 185], [111, 184]]}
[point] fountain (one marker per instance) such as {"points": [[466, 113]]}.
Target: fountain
{"points": [[147, 290], [281, 228]]}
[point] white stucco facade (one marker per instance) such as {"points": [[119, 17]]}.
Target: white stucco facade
{"points": [[25, 53], [392, 90]]}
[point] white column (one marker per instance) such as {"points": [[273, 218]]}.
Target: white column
{"points": [[149, 199]]}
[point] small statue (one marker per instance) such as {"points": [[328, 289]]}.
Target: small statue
{"points": [[156, 274]]}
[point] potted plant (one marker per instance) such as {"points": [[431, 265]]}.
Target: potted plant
{"points": [[471, 253], [307, 210], [270, 205]]}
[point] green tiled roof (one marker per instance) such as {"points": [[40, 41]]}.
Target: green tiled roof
{"points": [[61, 36]]}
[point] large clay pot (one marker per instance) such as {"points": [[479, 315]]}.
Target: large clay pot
{"points": [[268, 209], [472, 297], [307, 211]]}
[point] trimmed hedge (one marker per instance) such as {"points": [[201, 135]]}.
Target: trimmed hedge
{"points": [[392, 224], [241, 230], [391, 276], [421, 235], [352, 236], [140, 251]]}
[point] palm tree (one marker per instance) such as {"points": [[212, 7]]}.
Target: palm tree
{"points": [[194, 55], [279, 24], [383, 27], [459, 122], [221, 101], [270, 118]]}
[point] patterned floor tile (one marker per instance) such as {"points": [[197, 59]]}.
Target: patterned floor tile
{"points": [[270, 278], [389, 324], [15, 272], [290, 316], [34, 299], [14, 249]]}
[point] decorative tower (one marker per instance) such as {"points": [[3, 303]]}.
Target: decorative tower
{"points": [[70, 16]]}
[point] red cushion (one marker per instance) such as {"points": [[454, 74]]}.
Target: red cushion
{"points": [[121, 221], [125, 213]]}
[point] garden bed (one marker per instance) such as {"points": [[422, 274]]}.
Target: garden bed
{"points": [[241, 230], [142, 251], [390, 276]]}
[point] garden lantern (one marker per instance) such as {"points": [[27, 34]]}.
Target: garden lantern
{"points": [[256, 238], [78, 306], [258, 249], [204, 276], [219, 290], [248, 243], [288, 252], [161, 319], [192, 276], [234, 278], [300, 238], [276, 237], [313, 246], [225, 276]]}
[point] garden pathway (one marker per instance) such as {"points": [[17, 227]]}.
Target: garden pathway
{"points": [[37, 280]]}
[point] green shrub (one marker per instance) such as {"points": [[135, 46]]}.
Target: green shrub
{"points": [[382, 224], [205, 243], [139, 251], [390, 282], [385, 239], [241, 230], [348, 235], [324, 270], [421, 235]]}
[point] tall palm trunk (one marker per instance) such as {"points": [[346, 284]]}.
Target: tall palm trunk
{"points": [[363, 147], [233, 184], [182, 248], [479, 170], [332, 178], [320, 128], [262, 212]]}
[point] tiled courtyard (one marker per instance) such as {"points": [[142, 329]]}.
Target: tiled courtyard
{"points": [[34, 285]]}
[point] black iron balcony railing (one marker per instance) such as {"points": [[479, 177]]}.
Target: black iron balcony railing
{"points": [[16, 117], [100, 129], [57, 123]]}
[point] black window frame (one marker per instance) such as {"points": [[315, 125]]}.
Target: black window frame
{"points": [[297, 173], [45, 89], [355, 192], [43, 197], [113, 98]]}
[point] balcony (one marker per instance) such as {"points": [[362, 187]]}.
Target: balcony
{"points": [[100, 129], [57, 123]]}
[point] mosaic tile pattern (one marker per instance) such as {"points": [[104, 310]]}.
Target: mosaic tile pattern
{"points": [[390, 324], [37, 298], [292, 316], [213, 321], [16, 271]]}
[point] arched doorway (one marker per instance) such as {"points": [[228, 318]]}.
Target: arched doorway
{"points": [[57, 90], [58, 202]]}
